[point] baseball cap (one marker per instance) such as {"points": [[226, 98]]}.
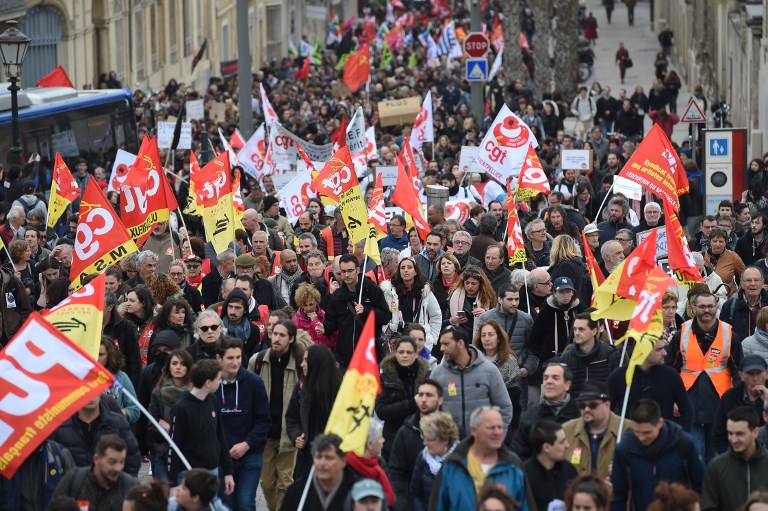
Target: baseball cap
{"points": [[753, 363], [28, 185], [591, 229], [593, 390], [192, 259], [366, 488], [562, 283]]}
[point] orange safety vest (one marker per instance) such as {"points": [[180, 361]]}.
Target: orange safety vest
{"points": [[327, 235], [714, 362]]}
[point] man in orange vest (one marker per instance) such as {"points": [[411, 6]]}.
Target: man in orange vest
{"points": [[333, 240], [707, 352]]}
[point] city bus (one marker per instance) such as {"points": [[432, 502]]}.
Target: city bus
{"points": [[90, 124]]}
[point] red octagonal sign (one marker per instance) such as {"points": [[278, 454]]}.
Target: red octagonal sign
{"points": [[476, 45]]}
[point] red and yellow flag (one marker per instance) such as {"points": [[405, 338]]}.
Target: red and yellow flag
{"points": [[64, 190], [81, 315], [532, 180], [353, 408], [357, 69], [146, 197], [101, 239], [636, 267], [44, 379], [678, 252], [377, 215], [238, 208], [595, 273], [213, 184], [645, 341], [406, 197], [515, 243]]}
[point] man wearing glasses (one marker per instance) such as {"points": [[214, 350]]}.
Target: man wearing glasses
{"points": [[538, 244], [397, 237], [707, 352], [462, 242], [741, 310], [539, 288], [625, 237], [592, 437]]}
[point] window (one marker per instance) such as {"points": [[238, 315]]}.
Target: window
{"points": [[274, 26], [153, 29], [138, 22], [186, 27], [224, 41]]}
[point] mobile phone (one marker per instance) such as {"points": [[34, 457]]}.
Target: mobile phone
{"points": [[461, 314]]}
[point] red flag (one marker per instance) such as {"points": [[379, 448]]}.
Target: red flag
{"points": [[441, 10], [64, 190], [655, 166], [408, 155], [405, 197], [337, 176], [146, 196], [45, 379], [595, 273], [515, 243], [303, 73], [652, 289], [532, 180], [56, 78], [339, 137], [357, 69], [236, 140], [376, 213], [101, 238], [638, 265], [678, 251], [213, 181]]}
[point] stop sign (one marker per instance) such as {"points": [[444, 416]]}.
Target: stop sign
{"points": [[476, 45]]}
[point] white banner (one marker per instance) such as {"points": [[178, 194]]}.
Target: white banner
{"points": [[467, 161], [252, 154], [627, 188], [355, 133], [423, 127], [294, 197], [195, 109], [371, 151], [505, 146], [165, 135], [270, 116]]}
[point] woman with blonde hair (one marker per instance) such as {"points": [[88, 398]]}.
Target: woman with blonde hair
{"points": [[470, 296], [565, 260], [440, 439]]}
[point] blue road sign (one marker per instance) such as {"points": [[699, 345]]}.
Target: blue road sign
{"points": [[718, 147], [476, 70]]}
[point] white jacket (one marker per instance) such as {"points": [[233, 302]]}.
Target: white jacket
{"points": [[430, 316]]}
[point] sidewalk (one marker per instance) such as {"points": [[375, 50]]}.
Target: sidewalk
{"points": [[642, 45]]}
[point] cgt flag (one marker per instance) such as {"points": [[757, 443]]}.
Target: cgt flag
{"points": [[101, 239], [423, 127], [679, 253], [269, 113], [505, 146], [81, 315], [515, 243], [595, 273], [645, 341], [532, 180], [655, 166], [353, 408], [64, 190], [45, 379], [406, 197], [213, 183]]}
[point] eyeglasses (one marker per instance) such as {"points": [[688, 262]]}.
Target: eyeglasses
{"points": [[669, 307], [212, 328], [547, 283], [622, 240], [460, 242], [539, 231], [592, 405], [176, 274]]}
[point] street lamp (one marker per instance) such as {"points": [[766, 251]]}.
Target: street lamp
{"points": [[13, 49]]}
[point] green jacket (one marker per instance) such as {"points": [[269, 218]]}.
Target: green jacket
{"points": [[730, 479], [580, 451]]}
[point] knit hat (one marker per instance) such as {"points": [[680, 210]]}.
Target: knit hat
{"points": [[269, 201]]}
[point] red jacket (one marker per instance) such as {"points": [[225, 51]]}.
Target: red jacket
{"points": [[303, 322]]}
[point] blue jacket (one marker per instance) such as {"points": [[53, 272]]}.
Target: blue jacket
{"points": [[454, 488], [648, 465], [735, 312], [47, 466], [244, 410], [392, 242]]}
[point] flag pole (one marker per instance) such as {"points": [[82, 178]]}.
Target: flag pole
{"points": [[154, 422], [362, 278], [623, 416], [527, 300], [306, 488], [623, 352], [600, 209], [608, 331]]}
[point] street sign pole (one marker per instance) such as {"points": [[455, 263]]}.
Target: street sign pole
{"points": [[476, 88]]}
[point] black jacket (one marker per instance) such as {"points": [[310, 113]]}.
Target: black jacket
{"points": [[406, 446], [538, 412], [551, 332], [596, 365], [124, 332], [396, 401], [732, 398], [253, 340], [70, 435], [748, 250], [193, 297], [339, 317], [197, 429], [735, 312], [293, 494], [211, 287], [548, 485]]}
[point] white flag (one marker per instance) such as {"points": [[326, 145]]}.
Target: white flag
{"points": [[505, 146], [496, 64], [269, 113], [423, 127], [356, 132], [232, 156], [123, 163], [253, 153], [371, 151], [294, 197]]}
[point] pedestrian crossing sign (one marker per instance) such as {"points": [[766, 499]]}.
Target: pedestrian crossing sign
{"points": [[476, 70], [718, 147]]}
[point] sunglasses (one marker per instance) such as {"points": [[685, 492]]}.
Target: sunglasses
{"points": [[212, 328], [592, 405]]}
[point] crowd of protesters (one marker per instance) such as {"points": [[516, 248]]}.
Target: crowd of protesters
{"points": [[498, 389]]}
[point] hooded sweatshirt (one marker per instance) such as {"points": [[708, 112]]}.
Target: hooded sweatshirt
{"points": [[244, 329], [244, 410]]}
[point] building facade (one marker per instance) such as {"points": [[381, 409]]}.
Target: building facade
{"points": [[149, 42]]}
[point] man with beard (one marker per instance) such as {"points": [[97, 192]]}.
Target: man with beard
{"points": [[409, 440], [752, 245], [315, 275], [102, 486], [426, 261], [495, 209], [306, 225], [456, 192], [557, 223], [289, 273], [347, 312], [617, 211], [462, 243], [612, 254], [707, 352], [306, 242], [235, 320]]}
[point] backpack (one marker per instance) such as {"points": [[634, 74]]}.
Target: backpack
{"points": [[27, 207], [683, 450]]}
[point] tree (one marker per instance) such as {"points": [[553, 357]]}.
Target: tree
{"points": [[542, 76], [566, 36], [513, 59]]}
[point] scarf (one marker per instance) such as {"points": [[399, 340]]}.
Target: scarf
{"points": [[435, 462], [369, 468], [556, 405], [169, 394], [241, 330], [449, 284]]}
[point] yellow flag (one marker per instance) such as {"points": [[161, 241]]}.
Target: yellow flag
{"points": [[645, 342], [191, 208], [607, 304], [215, 180], [81, 315], [64, 190], [353, 408]]}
